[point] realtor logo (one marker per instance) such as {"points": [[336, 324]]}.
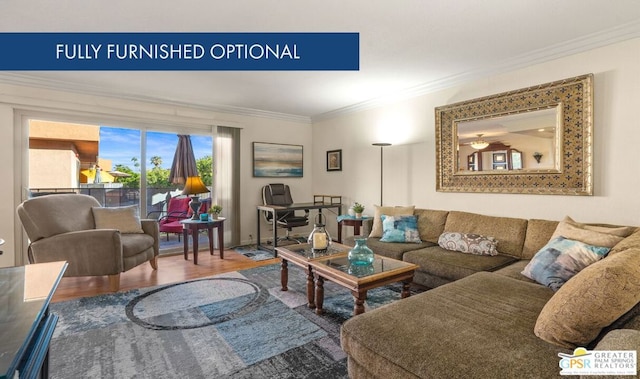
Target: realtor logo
{"points": [[598, 362]]}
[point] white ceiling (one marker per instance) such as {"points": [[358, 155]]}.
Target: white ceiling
{"points": [[406, 47]]}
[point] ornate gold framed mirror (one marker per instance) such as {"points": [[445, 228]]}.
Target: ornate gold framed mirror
{"points": [[535, 140]]}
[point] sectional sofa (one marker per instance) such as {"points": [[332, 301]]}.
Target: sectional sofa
{"points": [[482, 318]]}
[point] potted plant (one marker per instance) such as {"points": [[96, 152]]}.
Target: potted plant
{"points": [[358, 209], [214, 211]]}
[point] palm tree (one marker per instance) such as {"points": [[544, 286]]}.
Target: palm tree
{"points": [[156, 161]]}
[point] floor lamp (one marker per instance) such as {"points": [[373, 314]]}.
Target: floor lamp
{"points": [[382, 145]]}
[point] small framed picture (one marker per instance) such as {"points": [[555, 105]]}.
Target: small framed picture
{"points": [[334, 160], [499, 157]]}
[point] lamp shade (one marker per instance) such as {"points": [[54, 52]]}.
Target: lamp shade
{"points": [[194, 186]]}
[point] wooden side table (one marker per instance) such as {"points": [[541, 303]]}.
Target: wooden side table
{"points": [[192, 226], [357, 223]]}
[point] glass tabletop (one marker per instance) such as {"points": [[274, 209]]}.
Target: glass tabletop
{"points": [[380, 265], [305, 251]]}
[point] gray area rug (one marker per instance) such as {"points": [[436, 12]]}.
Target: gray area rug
{"points": [[235, 325], [252, 251]]}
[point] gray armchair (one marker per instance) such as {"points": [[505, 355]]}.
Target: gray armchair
{"points": [[62, 227]]}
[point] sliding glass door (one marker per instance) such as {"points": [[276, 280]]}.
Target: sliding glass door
{"points": [[116, 165]]}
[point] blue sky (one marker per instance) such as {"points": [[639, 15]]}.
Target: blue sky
{"points": [[120, 145]]}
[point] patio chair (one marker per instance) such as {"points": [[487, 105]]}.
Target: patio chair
{"points": [[177, 210], [94, 240]]}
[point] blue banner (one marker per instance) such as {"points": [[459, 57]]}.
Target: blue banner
{"points": [[180, 51]]}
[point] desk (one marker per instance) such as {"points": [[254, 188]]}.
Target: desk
{"points": [[275, 209], [192, 226], [26, 326]]}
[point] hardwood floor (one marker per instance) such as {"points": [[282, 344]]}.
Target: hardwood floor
{"points": [[171, 269]]}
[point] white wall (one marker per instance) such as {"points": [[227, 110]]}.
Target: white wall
{"points": [[18, 100], [409, 165]]}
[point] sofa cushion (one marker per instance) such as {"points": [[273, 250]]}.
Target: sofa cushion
{"points": [[391, 250], [633, 241], [448, 332], [514, 271], [539, 233], [561, 259], [593, 237], [452, 265], [134, 243], [430, 223], [591, 300], [125, 219], [509, 231], [400, 229], [468, 243], [376, 229], [621, 339], [620, 231]]}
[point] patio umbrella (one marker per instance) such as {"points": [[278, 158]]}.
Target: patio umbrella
{"points": [[184, 161], [119, 174], [105, 177]]}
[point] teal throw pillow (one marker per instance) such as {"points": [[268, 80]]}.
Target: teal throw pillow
{"points": [[400, 229], [560, 259]]}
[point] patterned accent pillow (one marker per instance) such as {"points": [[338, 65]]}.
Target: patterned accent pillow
{"points": [[400, 229], [594, 299], [468, 243], [561, 259]]}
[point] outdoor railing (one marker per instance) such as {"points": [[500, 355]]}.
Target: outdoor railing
{"points": [[116, 197]]}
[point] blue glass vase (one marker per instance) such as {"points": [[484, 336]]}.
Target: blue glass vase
{"points": [[360, 254]]}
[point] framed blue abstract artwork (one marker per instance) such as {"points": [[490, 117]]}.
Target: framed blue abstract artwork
{"points": [[273, 160]]}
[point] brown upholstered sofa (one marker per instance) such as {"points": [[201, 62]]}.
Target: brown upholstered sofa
{"points": [[93, 240], [478, 319]]}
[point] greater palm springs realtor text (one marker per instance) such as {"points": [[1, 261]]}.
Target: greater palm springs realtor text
{"points": [[183, 51]]}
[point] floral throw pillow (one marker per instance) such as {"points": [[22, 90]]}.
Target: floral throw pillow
{"points": [[468, 243], [400, 229], [561, 259]]}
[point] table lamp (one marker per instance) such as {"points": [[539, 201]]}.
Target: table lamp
{"points": [[192, 188]]}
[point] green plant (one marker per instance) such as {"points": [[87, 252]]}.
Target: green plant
{"points": [[357, 207], [215, 209]]}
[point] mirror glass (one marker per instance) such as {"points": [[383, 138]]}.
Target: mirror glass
{"points": [[534, 140], [522, 141]]}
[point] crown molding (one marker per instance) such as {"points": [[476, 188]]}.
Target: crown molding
{"points": [[21, 79], [575, 46], [614, 35]]}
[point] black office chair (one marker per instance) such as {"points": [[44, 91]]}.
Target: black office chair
{"points": [[279, 194]]}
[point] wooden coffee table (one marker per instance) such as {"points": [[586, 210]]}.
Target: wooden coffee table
{"points": [[335, 267], [302, 255]]}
